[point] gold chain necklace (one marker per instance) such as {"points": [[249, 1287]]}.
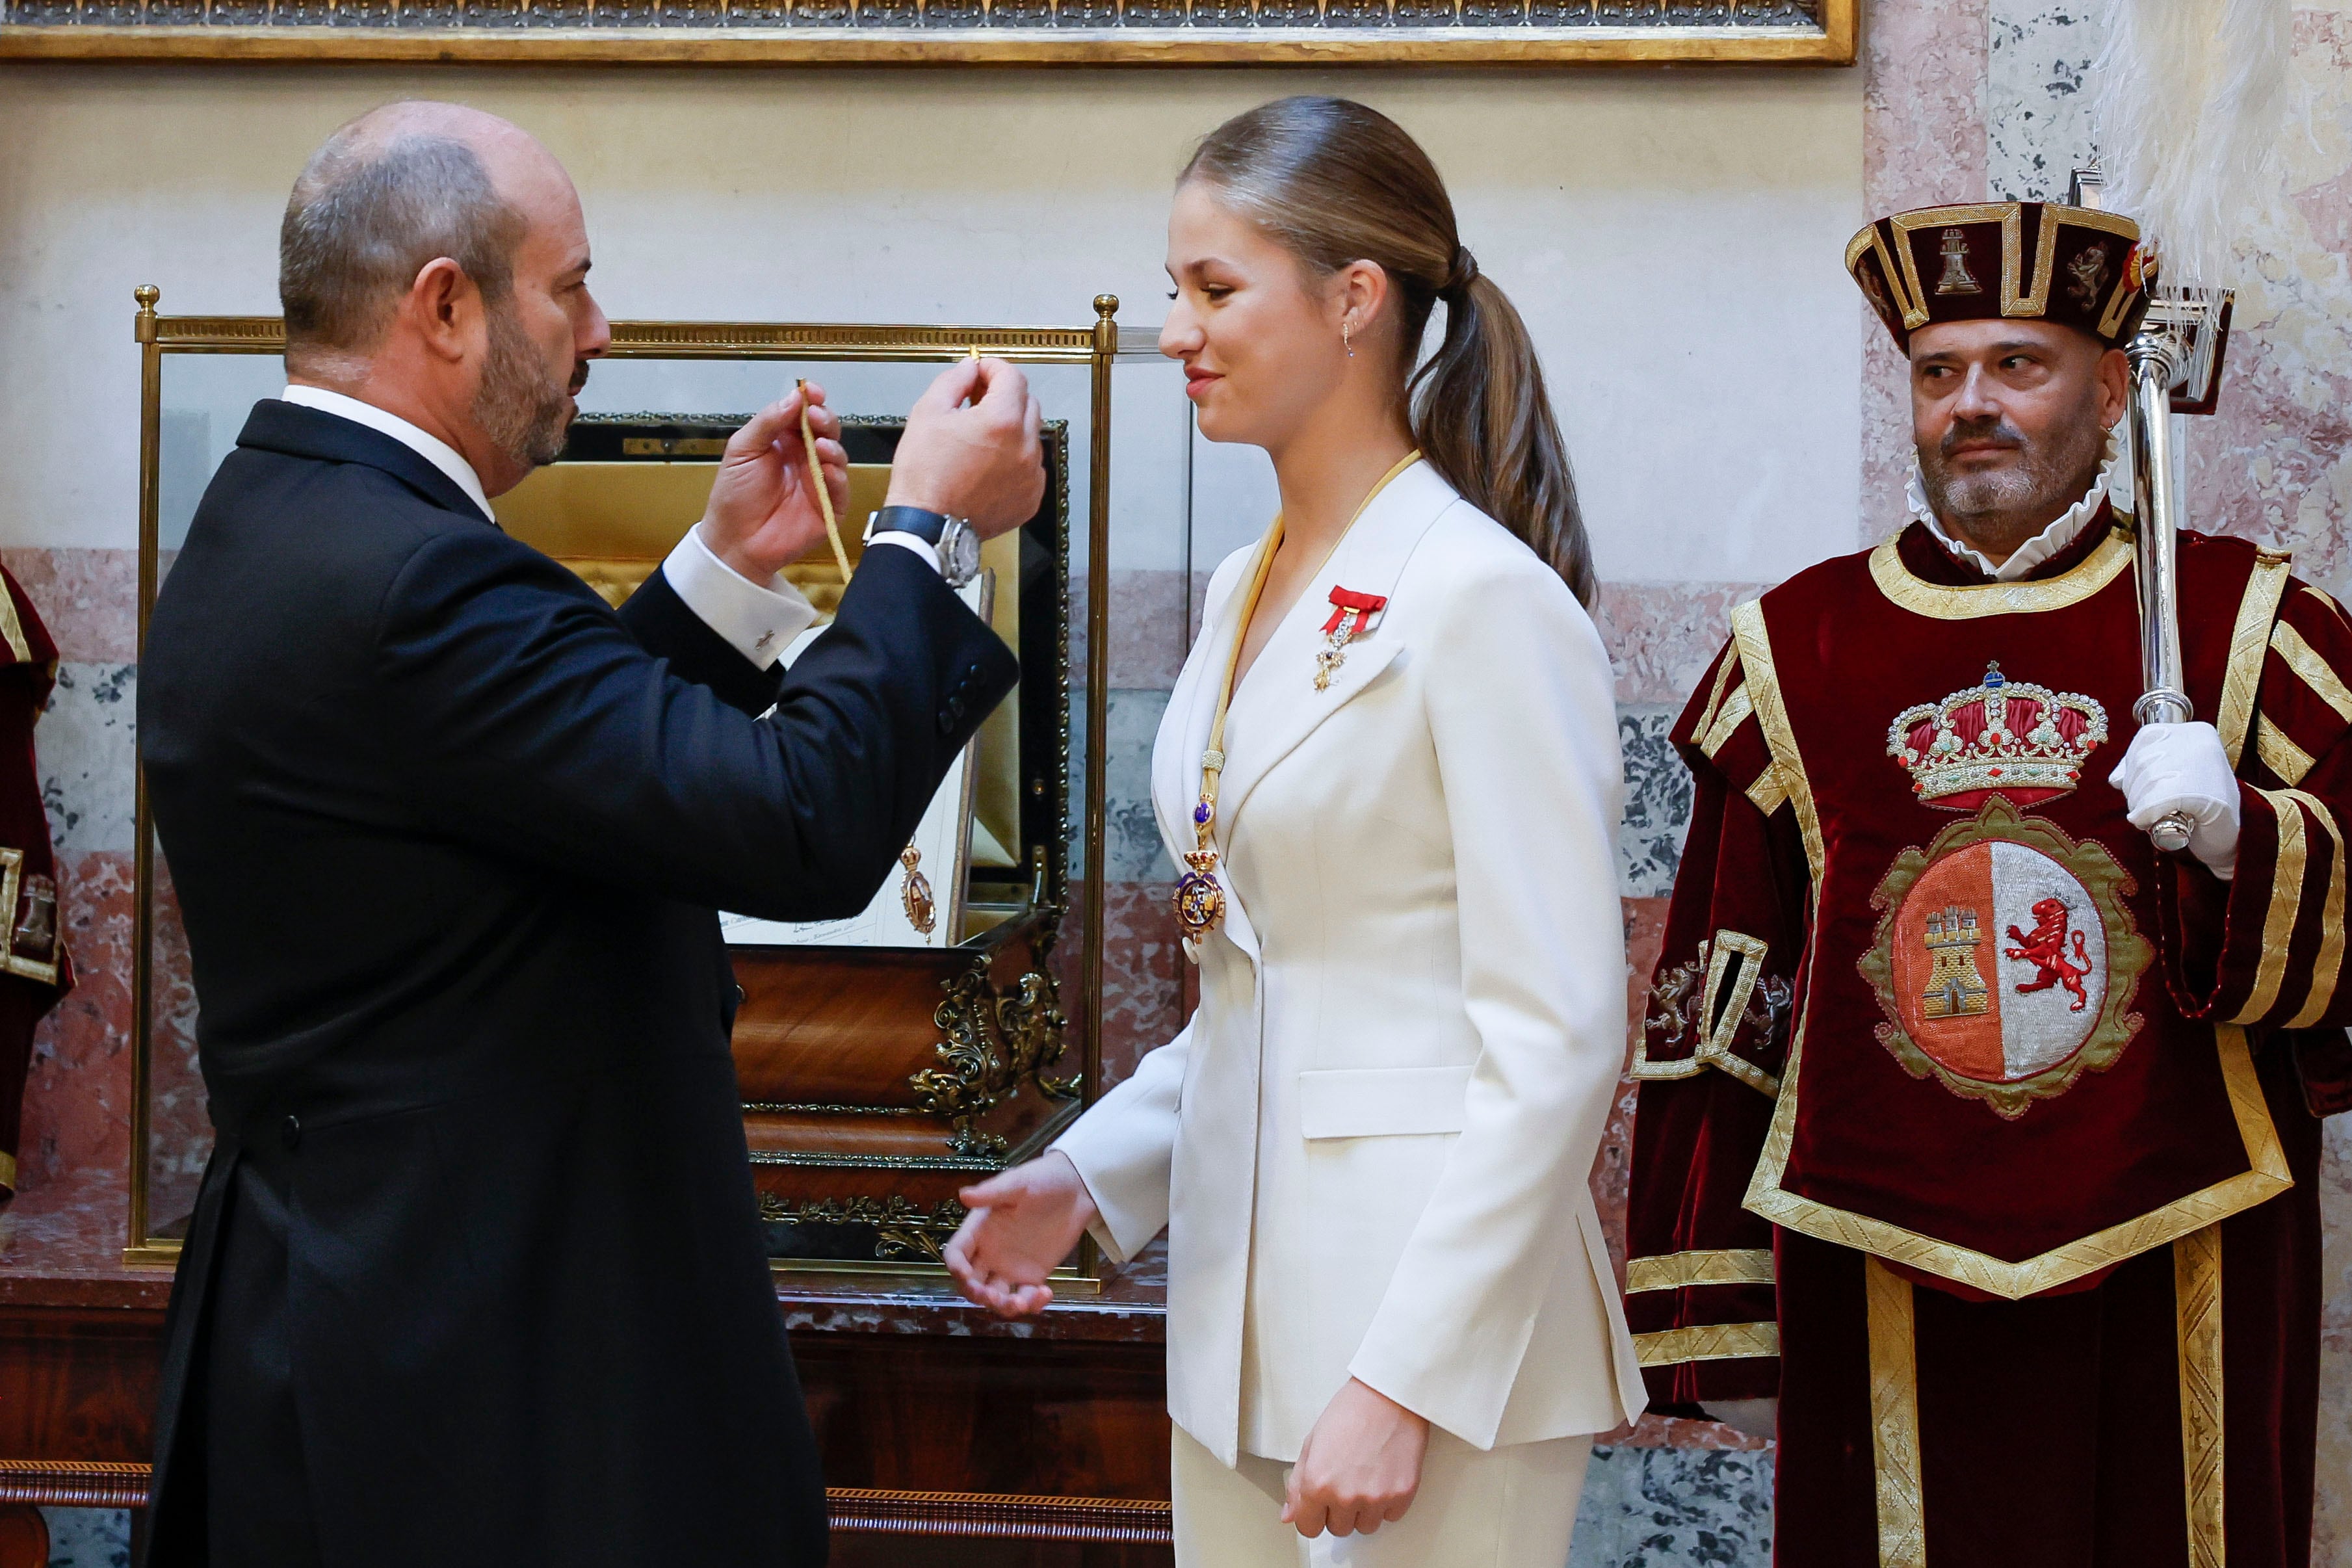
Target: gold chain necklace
{"points": [[1200, 901]]}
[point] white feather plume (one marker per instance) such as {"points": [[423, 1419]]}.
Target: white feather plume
{"points": [[2191, 99]]}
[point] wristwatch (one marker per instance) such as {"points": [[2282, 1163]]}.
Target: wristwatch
{"points": [[951, 537]]}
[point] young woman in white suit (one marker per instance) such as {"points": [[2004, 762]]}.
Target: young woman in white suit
{"points": [[1391, 763]]}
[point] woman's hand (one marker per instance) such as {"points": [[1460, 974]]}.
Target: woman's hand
{"points": [[1022, 1223], [1360, 1466]]}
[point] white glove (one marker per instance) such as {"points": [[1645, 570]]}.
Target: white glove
{"points": [[2182, 767]]}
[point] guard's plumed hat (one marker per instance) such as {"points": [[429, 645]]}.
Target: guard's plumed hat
{"points": [[1987, 260]]}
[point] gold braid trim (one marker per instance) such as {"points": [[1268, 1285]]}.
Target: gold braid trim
{"points": [[1678, 1270], [2314, 671], [2197, 1310], [1728, 720], [2328, 966], [1714, 1050], [2285, 904], [2257, 610], [1894, 1418], [2101, 567], [2281, 755], [12, 629], [1772, 716], [1707, 1342], [2266, 1177], [1729, 662]]}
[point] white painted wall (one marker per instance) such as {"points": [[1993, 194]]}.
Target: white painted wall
{"points": [[1672, 235]]}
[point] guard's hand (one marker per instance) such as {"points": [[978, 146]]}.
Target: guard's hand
{"points": [[2182, 767], [764, 514], [970, 448], [1022, 1223], [1360, 1465]]}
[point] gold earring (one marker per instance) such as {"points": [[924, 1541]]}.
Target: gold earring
{"points": [[1348, 337]]}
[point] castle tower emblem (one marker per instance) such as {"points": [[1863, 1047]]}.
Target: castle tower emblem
{"points": [[1957, 278], [1956, 987]]}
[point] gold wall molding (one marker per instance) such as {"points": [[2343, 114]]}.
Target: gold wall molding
{"points": [[940, 32]]}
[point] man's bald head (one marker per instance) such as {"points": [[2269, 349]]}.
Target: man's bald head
{"points": [[386, 195]]}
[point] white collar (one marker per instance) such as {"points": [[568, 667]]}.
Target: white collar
{"points": [[432, 448], [2061, 534]]}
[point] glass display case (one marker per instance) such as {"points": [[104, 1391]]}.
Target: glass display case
{"points": [[955, 1026]]}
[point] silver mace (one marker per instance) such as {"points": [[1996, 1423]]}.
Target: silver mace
{"points": [[2157, 357], [2176, 368]]}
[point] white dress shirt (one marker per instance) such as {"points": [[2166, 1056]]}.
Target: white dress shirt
{"points": [[2061, 534], [758, 621]]}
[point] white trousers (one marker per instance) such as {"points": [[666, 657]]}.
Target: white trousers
{"points": [[1513, 1507]]}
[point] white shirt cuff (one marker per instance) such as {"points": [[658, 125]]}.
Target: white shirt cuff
{"points": [[759, 622], [914, 541]]}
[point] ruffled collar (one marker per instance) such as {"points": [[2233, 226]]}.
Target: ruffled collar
{"points": [[2112, 485]]}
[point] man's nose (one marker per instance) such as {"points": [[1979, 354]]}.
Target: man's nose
{"points": [[595, 332], [1979, 397]]}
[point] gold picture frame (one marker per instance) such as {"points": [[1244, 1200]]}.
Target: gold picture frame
{"points": [[942, 32], [1098, 347]]}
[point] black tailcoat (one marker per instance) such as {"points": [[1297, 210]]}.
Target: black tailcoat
{"points": [[476, 1276]]}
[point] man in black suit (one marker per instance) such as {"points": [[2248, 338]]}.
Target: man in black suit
{"points": [[476, 1276]]}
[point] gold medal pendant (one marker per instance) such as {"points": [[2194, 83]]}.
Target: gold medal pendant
{"points": [[1200, 901], [915, 892]]}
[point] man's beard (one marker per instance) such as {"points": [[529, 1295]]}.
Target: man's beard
{"points": [[2020, 500], [516, 405]]}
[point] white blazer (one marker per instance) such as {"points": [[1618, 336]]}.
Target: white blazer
{"points": [[1369, 1147]]}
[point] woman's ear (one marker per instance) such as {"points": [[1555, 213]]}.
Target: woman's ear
{"points": [[1363, 295]]}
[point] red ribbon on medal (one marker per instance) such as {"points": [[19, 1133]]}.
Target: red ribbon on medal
{"points": [[1347, 599], [1348, 614]]}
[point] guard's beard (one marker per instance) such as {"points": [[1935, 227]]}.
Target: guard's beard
{"points": [[1998, 512], [517, 406]]}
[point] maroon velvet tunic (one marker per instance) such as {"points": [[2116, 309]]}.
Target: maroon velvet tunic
{"points": [[1970, 1125]]}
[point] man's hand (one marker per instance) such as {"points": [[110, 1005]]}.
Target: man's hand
{"points": [[1360, 1466], [762, 514], [1022, 1223], [981, 462], [2182, 767]]}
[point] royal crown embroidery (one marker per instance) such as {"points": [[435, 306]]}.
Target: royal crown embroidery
{"points": [[2004, 737]]}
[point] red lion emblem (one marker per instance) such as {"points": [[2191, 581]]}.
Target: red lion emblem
{"points": [[2045, 949]]}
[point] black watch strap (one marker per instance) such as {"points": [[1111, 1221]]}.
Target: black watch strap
{"points": [[928, 526]]}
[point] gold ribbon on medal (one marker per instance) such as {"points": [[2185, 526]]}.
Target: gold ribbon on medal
{"points": [[1200, 899]]}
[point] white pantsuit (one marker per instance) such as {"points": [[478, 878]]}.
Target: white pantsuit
{"points": [[1369, 1147]]}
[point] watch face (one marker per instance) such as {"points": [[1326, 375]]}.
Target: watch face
{"points": [[961, 548]]}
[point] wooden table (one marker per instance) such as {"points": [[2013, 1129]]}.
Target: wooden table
{"points": [[947, 1437]]}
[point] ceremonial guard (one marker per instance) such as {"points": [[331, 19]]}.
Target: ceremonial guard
{"points": [[1974, 1127]]}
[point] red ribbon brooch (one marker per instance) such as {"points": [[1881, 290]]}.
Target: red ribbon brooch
{"points": [[1348, 613]]}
